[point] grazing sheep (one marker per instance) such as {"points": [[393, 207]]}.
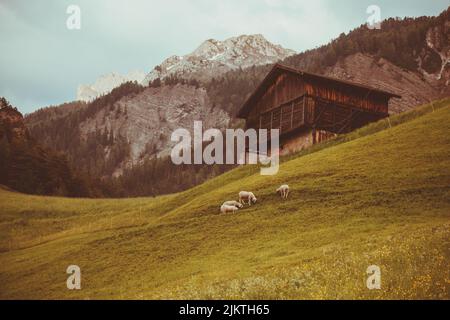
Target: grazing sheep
{"points": [[283, 191], [226, 209], [247, 196], [233, 203]]}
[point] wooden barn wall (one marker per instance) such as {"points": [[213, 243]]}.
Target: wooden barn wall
{"points": [[286, 87], [349, 96]]}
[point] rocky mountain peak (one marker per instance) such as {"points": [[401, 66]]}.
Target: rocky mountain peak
{"points": [[105, 83], [214, 57]]}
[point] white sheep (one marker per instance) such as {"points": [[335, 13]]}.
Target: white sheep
{"points": [[283, 191], [226, 209], [247, 196], [233, 203]]}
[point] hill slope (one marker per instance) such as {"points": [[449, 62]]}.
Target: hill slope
{"points": [[379, 195]]}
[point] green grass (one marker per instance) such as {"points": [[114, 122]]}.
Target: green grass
{"points": [[379, 195]]}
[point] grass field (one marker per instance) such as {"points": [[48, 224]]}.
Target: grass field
{"points": [[377, 196]]}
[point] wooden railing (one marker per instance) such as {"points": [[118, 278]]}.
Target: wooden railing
{"points": [[315, 112], [285, 117]]}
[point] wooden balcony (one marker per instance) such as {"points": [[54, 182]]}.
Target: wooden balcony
{"points": [[286, 117], [313, 112]]}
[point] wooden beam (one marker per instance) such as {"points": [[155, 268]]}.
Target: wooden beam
{"points": [[271, 120], [281, 119], [334, 117], [314, 134], [304, 112], [292, 115], [348, 121]]}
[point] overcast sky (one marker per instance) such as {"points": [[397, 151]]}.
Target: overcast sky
{"points": [[42, 62]]}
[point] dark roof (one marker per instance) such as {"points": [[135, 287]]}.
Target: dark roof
{"points": [[279, 68]]}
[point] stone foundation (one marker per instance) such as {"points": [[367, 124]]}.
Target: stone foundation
{"points": [[299, 142], [304, 140]]}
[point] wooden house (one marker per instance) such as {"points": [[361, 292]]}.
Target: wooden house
{"points": [[308, 108]]}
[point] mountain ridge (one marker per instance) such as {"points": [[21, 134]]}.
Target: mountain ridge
{"points": [[105, 83], [214, 57]]}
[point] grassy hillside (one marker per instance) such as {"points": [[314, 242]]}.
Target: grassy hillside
{"points": [[380, 195]]}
